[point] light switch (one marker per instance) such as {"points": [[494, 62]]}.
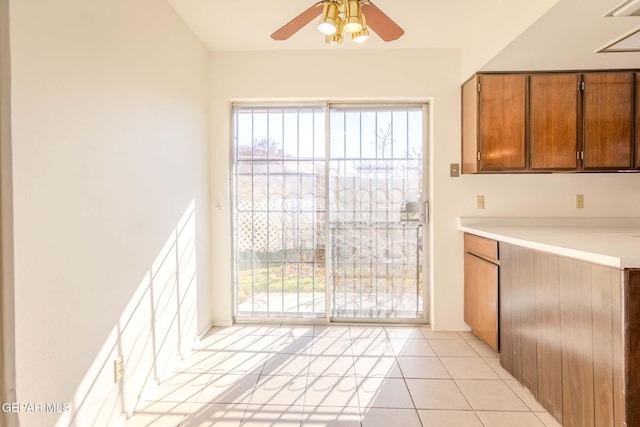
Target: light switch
{"points": [[579, 201], [479, 202], [454, 170]]}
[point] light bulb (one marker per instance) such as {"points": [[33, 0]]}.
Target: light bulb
{"points": [[327, 28]]}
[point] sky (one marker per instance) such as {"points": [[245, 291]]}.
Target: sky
{"points": [[354, 132]]}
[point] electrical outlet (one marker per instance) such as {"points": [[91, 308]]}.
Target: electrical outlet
{"points": [[118, 369], [579, 201], [479, 202]]}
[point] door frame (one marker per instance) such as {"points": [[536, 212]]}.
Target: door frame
{"points": [[7, 308], [427, 191]]}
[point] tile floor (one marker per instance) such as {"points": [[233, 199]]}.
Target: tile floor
{"points": [[342, 376]]}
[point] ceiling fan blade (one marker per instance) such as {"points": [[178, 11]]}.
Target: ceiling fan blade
{"points": [[293, 26], [381, 23]]}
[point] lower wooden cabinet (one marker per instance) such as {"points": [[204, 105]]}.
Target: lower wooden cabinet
{"points": [[481, 288], [569, 332], [517, 315], [549, 333], [481, 298]]}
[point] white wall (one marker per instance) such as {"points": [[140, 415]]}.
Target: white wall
{"points": [[548, 44], [402, 73], [486, 39], [111, 201], [368, 75]]}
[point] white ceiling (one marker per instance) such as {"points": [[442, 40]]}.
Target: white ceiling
{"points": [[503, 34], [228, 25]]}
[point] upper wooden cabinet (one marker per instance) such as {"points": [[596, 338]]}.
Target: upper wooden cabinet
{"points": [[637, 128], [554, 121], [551, 122], [470, 125], [608, 120], [494, 112]]}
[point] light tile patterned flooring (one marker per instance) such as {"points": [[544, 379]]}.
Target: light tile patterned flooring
{"points": [[342, 376]]}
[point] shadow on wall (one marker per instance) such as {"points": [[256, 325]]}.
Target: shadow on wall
{"points": [[157, 327]]}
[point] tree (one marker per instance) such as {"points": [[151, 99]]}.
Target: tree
{"points": [[384, 140]]}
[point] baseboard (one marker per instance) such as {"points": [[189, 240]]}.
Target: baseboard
{"points": [[222, 323], [204, 331]]}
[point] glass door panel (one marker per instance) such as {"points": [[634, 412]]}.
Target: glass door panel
{"points": [[375, 189], [279, 203]]}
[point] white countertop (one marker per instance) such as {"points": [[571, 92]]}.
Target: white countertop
{"points": [[614, 242]]}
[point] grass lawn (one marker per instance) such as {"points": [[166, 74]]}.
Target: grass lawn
{"points": [[290, 278]]}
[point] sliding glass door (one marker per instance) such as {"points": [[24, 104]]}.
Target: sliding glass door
{"points": [[326, 211]]}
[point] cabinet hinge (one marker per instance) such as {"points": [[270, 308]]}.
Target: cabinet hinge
{"points": [[478, 155]]}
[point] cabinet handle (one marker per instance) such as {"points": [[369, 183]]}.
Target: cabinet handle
{"points": [[478, 155]]}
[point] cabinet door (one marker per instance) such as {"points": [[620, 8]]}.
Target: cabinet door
{"points": [[608, 120], [554, 121], [481, 298], [502, 106]]}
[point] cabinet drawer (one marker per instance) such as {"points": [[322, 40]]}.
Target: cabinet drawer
{"points": [[485, 248]]}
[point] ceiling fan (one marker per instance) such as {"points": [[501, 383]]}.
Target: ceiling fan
{"points": [[352, 16]]}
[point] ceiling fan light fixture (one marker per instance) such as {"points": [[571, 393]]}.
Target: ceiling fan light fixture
{"points": [[328, 20], [362, 35], [334, 39], [353, 17], [337, 37]]}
